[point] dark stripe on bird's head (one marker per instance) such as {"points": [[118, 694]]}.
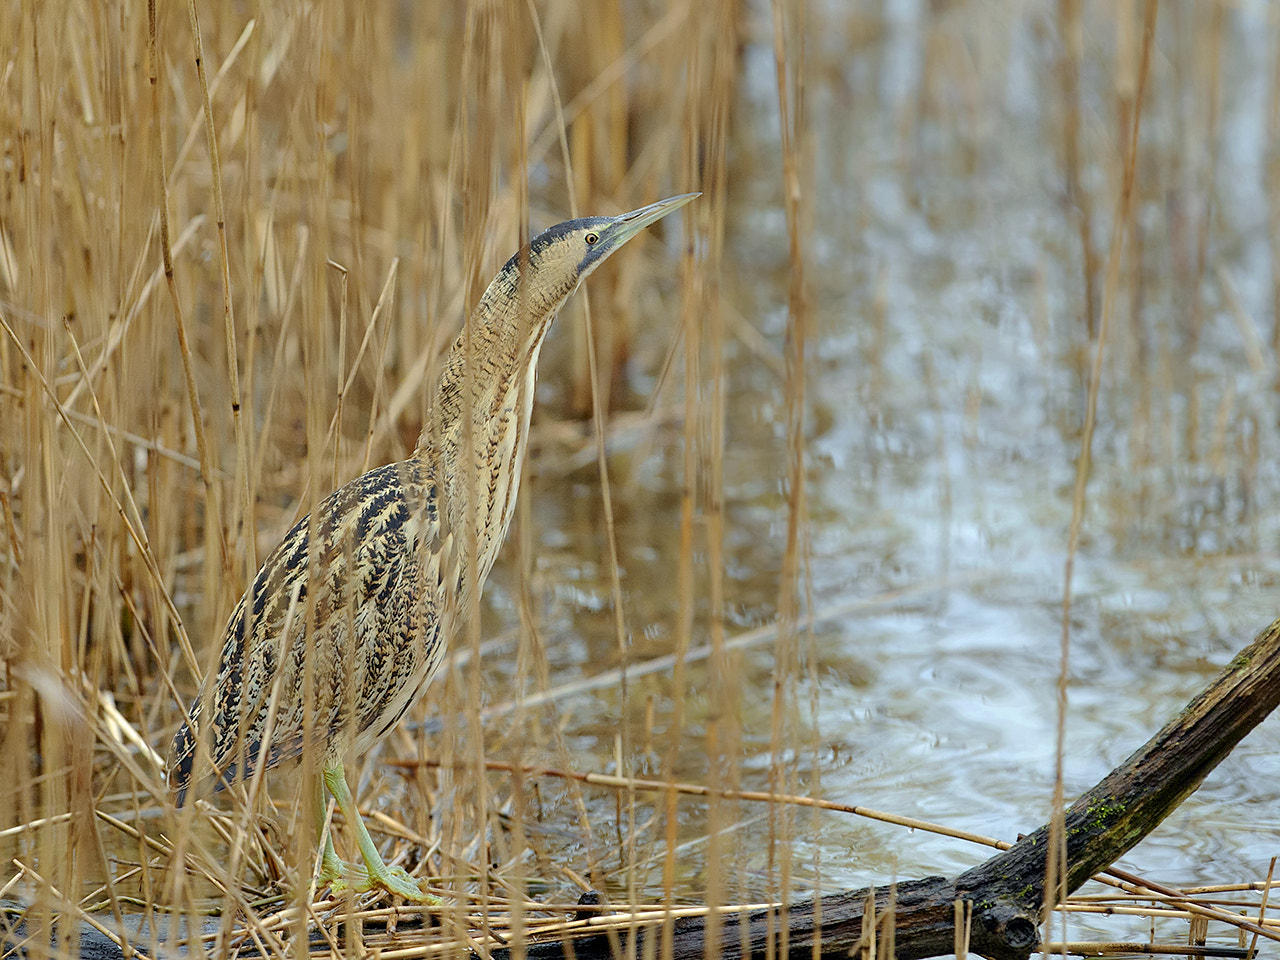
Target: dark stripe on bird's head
{"points": [[550, 235]]}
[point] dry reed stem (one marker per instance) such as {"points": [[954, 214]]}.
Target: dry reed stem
{"points": [[1095, 948], [753, 796], [215, 529], [790, 68], [1262, 907], [1121, 227], [228, 312]]}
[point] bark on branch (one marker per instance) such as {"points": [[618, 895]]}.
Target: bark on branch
{"points": [[1006, 894]]}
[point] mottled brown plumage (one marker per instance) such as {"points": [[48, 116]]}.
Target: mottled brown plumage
{"points": [[386, 562]]}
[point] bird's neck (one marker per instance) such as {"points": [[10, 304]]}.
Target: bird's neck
{"points": [[477, 432]]}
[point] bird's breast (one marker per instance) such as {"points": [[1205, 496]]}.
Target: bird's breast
{"points": [[500, 461]]}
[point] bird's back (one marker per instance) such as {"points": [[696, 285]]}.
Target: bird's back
{"points": [[372, 585]]}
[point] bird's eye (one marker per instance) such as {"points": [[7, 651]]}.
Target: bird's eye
{"points": [[592, 239]]}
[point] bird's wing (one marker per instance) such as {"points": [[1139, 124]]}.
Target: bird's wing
{"points": [[380, 527]]}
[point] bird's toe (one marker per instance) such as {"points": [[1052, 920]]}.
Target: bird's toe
{"points": [[342, 877]]}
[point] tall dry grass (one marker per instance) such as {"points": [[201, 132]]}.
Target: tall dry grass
{"points": [[234, 242]]}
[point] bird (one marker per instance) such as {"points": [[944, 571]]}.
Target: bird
{"points": [[349, 617]]}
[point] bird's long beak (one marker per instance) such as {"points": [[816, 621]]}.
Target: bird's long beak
{"points": [[625, 227]]}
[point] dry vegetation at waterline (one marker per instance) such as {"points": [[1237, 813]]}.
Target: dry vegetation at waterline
{"points": [[965, 289]]}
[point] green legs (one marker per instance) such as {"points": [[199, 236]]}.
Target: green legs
{"points": [[342, 876]]}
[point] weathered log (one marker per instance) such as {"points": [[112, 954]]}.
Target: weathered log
{"points": [[1006, 894]]}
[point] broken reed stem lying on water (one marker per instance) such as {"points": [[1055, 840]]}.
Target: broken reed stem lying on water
{"points": [[612, 781], [1006, 893]]}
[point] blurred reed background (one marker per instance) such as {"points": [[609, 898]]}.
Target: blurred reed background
{"points": [[797, 332]]}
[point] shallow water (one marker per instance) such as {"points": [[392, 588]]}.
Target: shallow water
{"points": [[948, 360]]}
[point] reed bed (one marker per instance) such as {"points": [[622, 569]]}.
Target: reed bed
{"points": [[234, 240]]}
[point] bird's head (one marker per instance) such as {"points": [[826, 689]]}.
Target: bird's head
{"points": [[552, 265], [493, 361], [577, 247]]}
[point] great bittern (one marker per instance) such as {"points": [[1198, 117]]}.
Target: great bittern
{"points": [[348, 619]]}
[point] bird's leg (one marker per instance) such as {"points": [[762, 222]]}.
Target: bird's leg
{"points": [[331, 866], [375, 873]]}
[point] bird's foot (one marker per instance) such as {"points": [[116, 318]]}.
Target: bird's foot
{"points": [[341, 877]]}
